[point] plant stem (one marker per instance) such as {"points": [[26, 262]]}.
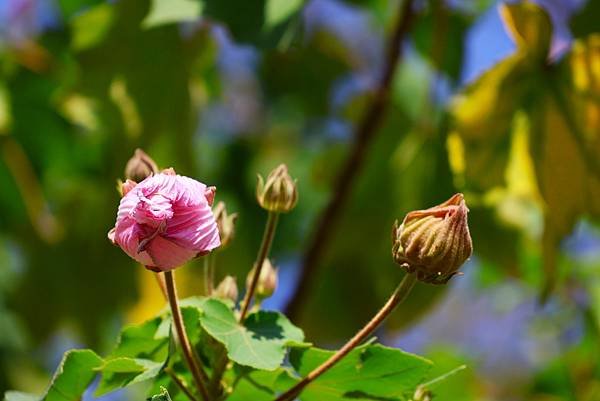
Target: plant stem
{"points": [[192, 360], [398, 296], [263, 251], [209, 274], [160, 279], [365, 131], [180, 384], [218, 371]]}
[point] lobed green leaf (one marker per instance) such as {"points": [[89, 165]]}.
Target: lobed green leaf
{"points": [[368, 372], [260, 343], [123, 372], [74, 374]]}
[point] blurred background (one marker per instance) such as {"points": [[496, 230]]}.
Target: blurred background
{"points": [[502, 106]]}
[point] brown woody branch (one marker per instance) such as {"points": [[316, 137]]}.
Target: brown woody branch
{"points": [[364, 134]]}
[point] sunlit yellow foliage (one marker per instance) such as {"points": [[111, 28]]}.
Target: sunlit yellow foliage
{"points": [[551, 162]]}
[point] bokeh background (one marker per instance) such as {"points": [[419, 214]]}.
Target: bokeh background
{"points": [[505, 110]]}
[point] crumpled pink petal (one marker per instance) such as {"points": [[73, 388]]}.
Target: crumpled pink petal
{"points": [[166, 220]]}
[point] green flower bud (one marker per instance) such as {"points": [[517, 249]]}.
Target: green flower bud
{"points": [[278, 194], [267, 281], [227, 289], [225, 223], [434, 243], [140, 166]]}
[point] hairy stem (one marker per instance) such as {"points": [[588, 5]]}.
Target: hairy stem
{"points": [[398, 296], [263, 251], [191, 359], [363, 136]]}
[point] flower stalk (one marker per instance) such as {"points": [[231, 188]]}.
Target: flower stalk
{"points": [[263, 251], [209, 274], [191, 359], [396, 298]]}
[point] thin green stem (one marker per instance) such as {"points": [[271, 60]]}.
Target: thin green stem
{"points": [[396, 298], [444, 376], [191, 359], [263, 251], [180, 384]]}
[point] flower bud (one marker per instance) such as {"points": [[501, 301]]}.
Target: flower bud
{"points": [[225, 223], [140, 166], [267, 281], [278, 194], [434, 243], [227, 289], [165, 221]]}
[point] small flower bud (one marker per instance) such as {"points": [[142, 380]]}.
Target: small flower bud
{"points": [[434, 243], [140, 166], [225, 223], [278, 194], [227, 289], [267, 281]]}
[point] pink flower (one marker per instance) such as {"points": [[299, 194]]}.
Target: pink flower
{"points": [[166, 220]]}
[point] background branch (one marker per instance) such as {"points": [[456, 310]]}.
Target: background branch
{"points": [[364, 134]]}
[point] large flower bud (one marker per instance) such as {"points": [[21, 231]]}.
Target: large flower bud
{"points": [[166, 220], [278, 194], [225, 223], [267, 281], [140, 166], [434, 243], [227, 289]]}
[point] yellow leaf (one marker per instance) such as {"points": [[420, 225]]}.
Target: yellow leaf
{"points": [[482, 117], [529, 26]]}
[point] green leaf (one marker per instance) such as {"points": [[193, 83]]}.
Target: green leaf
{"points": [[164, 12], [19, 396], [585, 21], [280, 10], [439, 37], [244, 18], [255, 385], [259, 343], [122, 372], [142, 341], [74, 374], [91, 27], [367, 372]]}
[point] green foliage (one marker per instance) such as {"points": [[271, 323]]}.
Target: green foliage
{"points": [[257, 347], [280, 10], [368, 372], [141, 341], [522, 142], [74, 374], [518, 124], [169, 12], [259, 343], [19, 396]]}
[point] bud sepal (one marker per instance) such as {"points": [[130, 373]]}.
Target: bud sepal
{"points": [[434, 243], [278, 193]]}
